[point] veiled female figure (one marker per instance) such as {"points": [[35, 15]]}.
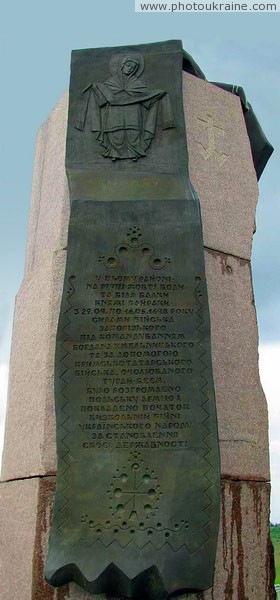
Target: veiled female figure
{"points": [[123, 110]]}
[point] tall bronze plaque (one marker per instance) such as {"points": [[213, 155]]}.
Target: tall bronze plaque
{"points": [[137, 502]]}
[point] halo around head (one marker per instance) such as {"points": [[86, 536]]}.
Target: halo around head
{"points": [[118, 60]]}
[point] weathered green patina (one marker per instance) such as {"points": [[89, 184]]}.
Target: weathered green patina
{"points": [[138, 483]]}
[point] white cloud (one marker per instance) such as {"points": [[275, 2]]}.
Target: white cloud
{"points": [[269, 366]]}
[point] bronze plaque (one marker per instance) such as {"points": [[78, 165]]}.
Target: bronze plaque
{"points": [[138, 483], [138, 479]]}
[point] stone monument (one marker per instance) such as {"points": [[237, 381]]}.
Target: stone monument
{"points": [[138, 482]]}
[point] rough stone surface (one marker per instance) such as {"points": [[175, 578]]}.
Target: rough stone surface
{"points": [[49, 210], [241, 404], [18, 501], [221, 167], [38, 169], [243, 563], [243, 543], [29, 447]]}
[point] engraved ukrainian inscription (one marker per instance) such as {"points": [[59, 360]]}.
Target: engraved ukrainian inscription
{"points": [[130, 348], [133, 352], [136, 409]]}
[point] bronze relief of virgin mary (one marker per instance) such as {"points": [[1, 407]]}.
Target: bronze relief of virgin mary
{"points": [[123, 111]]}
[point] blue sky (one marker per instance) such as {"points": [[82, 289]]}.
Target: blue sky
{"points": [[37, 39]]}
